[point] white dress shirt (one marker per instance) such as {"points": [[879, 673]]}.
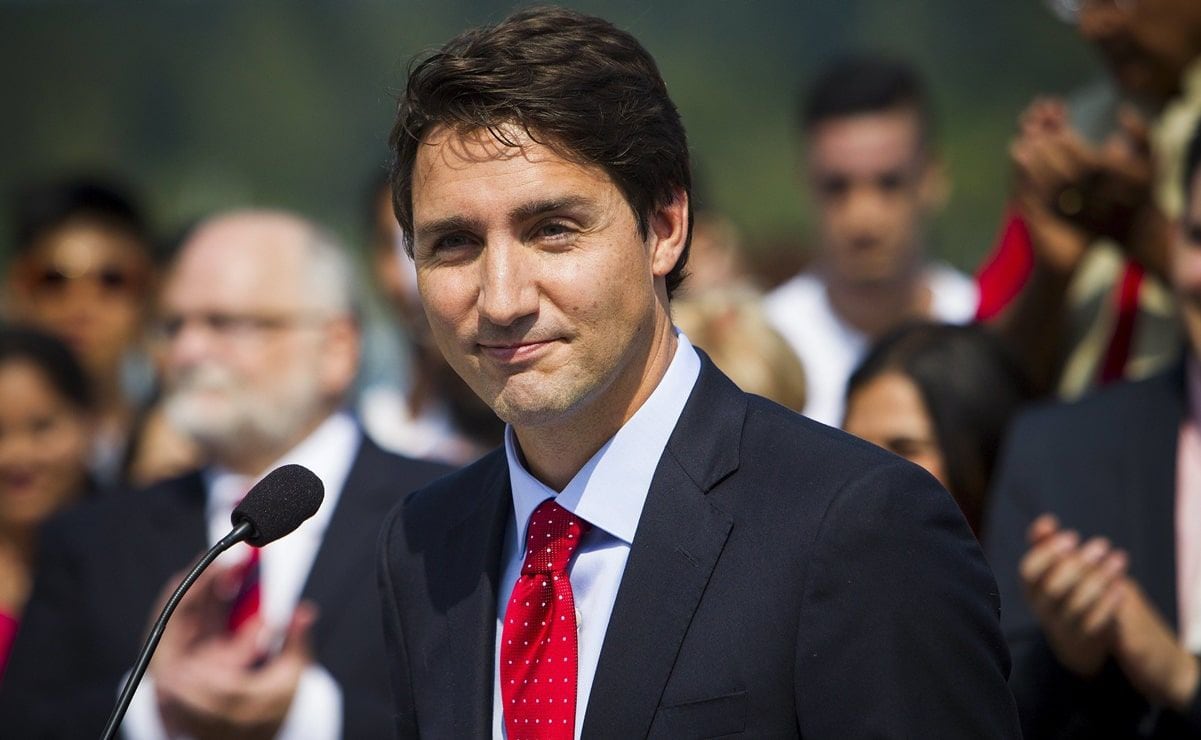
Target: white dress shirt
{"points": [[316, 709], [829, 348], [608, 493]]}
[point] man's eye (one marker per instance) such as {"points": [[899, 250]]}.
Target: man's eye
{"points": [[834, 187], [891, 182], [451, 241], [552, 230]]}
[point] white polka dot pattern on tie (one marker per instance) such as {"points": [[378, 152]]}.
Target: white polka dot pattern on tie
{"points": [[538, 676]]}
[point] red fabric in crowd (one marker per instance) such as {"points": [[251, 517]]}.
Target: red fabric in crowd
{"points": [[1006, 269], [8, 631], [1120, 342]]}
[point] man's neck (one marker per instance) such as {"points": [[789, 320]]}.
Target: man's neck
{"points": [[554, 453], [874, 308]]}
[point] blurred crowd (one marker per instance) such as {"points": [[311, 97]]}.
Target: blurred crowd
{"points": [[1055, 391]]}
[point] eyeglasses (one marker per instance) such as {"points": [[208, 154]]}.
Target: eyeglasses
{"points": [[1069, 11], [232, 327]]}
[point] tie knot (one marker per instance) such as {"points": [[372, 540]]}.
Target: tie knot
{"points": [[553, 535]]}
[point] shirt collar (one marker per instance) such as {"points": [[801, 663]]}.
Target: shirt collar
{"points": [[609, 491], [328, 451]]}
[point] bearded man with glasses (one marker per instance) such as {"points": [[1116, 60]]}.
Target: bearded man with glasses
{"points": [[260, 341]]}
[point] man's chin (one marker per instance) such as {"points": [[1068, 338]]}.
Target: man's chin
{"points": [[528, 410]]}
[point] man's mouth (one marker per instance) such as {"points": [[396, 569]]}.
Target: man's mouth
{"points": [[515, 352]]}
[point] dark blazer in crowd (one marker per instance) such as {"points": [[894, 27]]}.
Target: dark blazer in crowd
{"points": [[785, 580], [103, 566], [1104, 466]]}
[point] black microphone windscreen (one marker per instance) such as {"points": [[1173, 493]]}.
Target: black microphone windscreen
{"points": [[279, 503]]}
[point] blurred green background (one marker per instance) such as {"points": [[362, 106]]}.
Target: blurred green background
{"points": [[204, 104]]}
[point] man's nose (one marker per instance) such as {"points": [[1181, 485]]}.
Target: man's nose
{"points": [[508, 284], [864, 208]]}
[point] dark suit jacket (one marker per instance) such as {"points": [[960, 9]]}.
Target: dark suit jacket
{"points": [[1104, 466], [103, 565], [785, 579]]}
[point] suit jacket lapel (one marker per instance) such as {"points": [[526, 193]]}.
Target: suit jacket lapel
{"points": [[469, 571], [676, 546]]}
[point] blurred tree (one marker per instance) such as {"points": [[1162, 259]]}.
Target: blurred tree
{"points": [[224, 103]]}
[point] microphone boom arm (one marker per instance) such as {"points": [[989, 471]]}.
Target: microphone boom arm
{"points": [[242, 531]]}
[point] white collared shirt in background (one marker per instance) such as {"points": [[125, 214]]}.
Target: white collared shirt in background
{"points": [[316, 710]]}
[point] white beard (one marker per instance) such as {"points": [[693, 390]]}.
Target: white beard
{"points": [[210, 404]]}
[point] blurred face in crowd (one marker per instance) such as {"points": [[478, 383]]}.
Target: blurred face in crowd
{"points": [[44, 446], [1185, 266], [538, 286], [254, 358], [874, 184], [1147, 44], [87, 283], [889, 412]]}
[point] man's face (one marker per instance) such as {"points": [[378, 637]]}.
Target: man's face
{"points": [[873, 186], [539, 289], [1146, 43], [245, 354], [86, 283], [1185, 266]]}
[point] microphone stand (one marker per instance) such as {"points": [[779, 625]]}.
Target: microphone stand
{"points": [[242, 531]]}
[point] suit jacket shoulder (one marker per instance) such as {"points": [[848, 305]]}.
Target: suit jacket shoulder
{"points": [[784, 580]]}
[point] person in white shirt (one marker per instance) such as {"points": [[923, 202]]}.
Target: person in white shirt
{"points": [[875, 180]]}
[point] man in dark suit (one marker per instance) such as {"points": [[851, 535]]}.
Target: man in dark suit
{"points": [[260, 347], [652, 552], [1095, 535]]}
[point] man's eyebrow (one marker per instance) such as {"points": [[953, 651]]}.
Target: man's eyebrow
{"points": [[529, 210], [518, 214], [447, 225]]}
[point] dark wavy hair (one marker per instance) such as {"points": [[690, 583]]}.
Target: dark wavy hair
{"points": [[55, 361], [572, 82], [866, 83], [971, 385], [42, 207]]}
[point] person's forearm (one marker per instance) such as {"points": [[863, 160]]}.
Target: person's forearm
{"points": [[1034, 324]]}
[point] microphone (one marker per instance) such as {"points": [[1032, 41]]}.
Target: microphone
{"points": [[275, 506], [279, 503]]}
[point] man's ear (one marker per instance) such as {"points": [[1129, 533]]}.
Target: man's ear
{"points": [[340, 356], [668, 234]]}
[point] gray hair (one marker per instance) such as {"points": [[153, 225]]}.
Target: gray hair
{"points": [[333, 277]]}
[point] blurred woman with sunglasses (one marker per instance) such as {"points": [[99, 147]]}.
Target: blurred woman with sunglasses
{"points": [[45, 426], [83, 271]]}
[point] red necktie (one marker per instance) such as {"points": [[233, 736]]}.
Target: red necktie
{"points": [[538, 653], [250, 592]]}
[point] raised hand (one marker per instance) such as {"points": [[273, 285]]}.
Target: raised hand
{"points": [[1075, 590]]}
